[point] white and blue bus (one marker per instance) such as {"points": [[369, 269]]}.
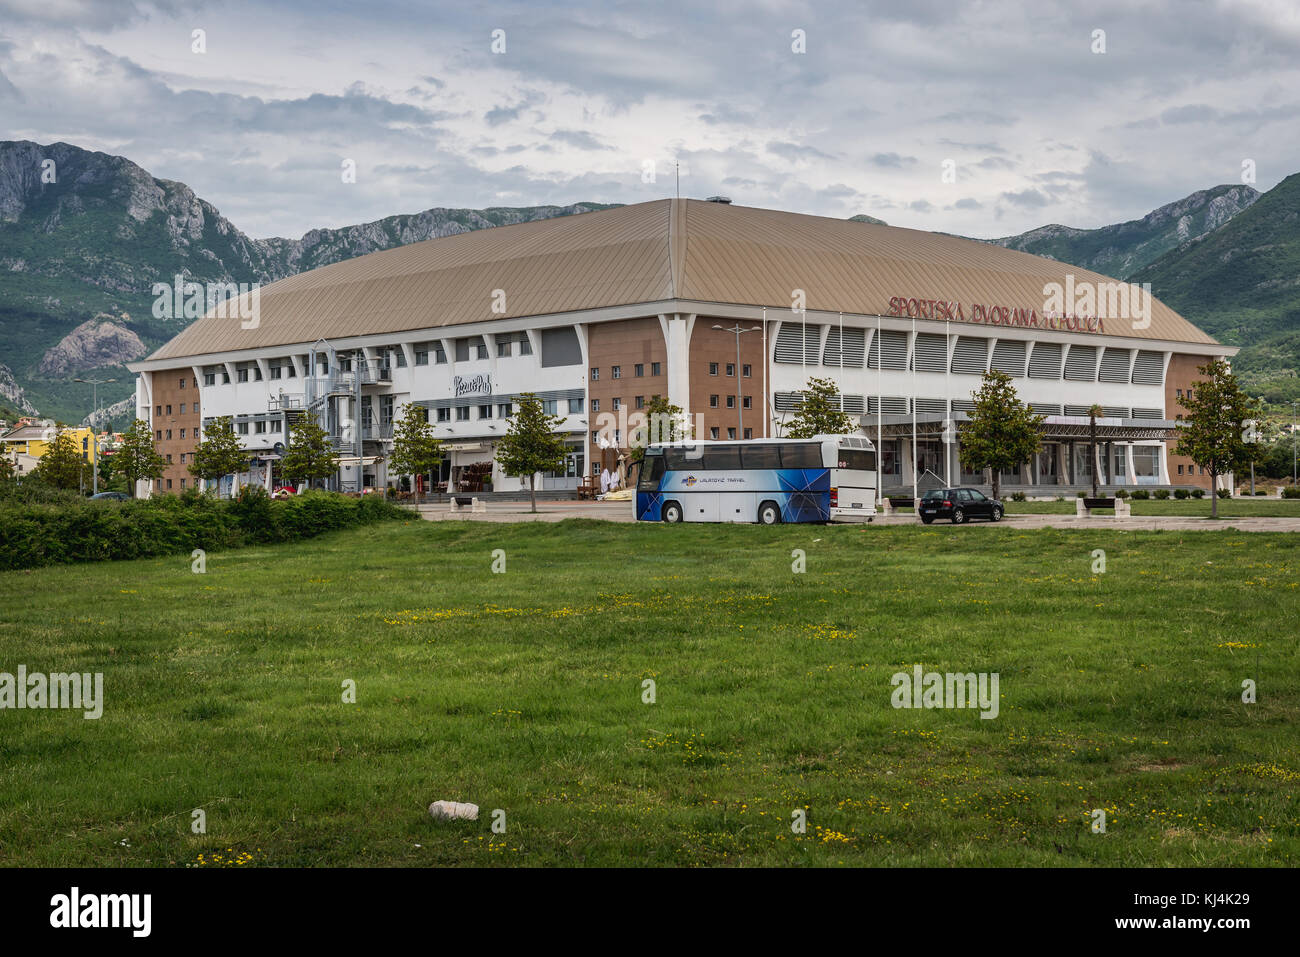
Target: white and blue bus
{"points": [[828, 478]]}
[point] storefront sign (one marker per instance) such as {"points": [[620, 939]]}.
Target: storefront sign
{"points": [[480, 384]]}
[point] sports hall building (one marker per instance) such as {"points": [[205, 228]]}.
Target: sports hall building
{"points": [[725, 310]]}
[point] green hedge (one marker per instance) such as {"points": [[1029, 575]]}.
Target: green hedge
{"points": [[32, 535]]}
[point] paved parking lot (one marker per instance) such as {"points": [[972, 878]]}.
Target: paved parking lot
{"points": [[622, 512]]}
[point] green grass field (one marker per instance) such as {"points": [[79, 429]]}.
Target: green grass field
{"points": [[1187, 508], [523, 691]]}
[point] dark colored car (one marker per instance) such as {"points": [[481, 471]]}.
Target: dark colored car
{"points": [[958, 505], [110, 497]]}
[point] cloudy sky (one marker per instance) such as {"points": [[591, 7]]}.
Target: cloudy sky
{"points": [[1012, 100]]}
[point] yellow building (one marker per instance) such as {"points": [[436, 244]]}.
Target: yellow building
{"points": [[25, 445]]}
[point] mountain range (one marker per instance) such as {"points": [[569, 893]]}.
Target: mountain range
{"points": [[84, 235]]}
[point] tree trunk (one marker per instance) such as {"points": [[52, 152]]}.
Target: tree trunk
{"points": [[1092, 443], [997, 482], [1214, 495], [532, 489]]}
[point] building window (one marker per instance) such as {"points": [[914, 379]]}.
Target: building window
{"points": [[713, 432], [747, 371], [506, 409], [169, 484], [654, 368], [260, 427], [209, 378], [275, 425], [575, 406], [169, 410], [713, 402], [225, 375], [275, 372], [731, 433], [595, 438], [748, 402], [160, 410], [399, 356], [485, 411], [640, 402], [182, 480], [242, 374], [731, 402], [616, 372], [157, 436], [462, 413], [182, 383], [618, 403], [241, 428], [257, 373], [439, 356], [421, 357], [551, 406], [480, 350], [182, 408], [638, 370], [182, 436], [731, 368], [1180, 470], [169, 435], [595, 375], [595, 405], [444, 415], [169, 458], [182, 458], [525, 345], [503, 348], [713, 368], [749, 433]]}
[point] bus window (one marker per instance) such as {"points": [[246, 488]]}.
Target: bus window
{"points": [[802, 456], [760, 456], [676, 459], [652, 470], [721, 457], [857, 459]]}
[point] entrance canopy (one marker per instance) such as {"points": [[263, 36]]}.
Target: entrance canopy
{"points": [[1053, 427]]}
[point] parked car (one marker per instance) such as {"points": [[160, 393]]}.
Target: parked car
{"points": [[110, 497], [958, 505]]}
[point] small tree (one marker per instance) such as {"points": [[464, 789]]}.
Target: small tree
{"points": [[219, 454], [1094, 412], [136, 458], [310, 456], [6, 466], [415, 449], [1002, 431], [664, 422], [62, 465], [533, 444], [1218, 434], [820, 412]]}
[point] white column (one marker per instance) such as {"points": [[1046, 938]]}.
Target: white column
{"points": [[677, 329]]}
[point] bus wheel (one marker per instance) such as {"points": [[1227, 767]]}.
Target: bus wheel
{"points": [[769, 514], [672, 513]]}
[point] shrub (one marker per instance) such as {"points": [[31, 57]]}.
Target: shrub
{"points": [[1259, 491], [1198, 493], [1291, 491], [1141, 495], [1017, 496], [1121, 493], [1081, 494], [60, 531], [1224, 493], [1162, 493], [1182, 493]]}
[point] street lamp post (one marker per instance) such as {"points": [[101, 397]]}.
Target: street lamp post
{"points": [[94, 436], [736, 330]]}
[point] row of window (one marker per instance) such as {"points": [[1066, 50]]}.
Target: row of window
{"points": [[747, 402], [638, 371], [616, 403], [159, 409], [714, 433]]}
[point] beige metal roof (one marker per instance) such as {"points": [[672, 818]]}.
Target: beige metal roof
{"points": [[649, 252]]}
